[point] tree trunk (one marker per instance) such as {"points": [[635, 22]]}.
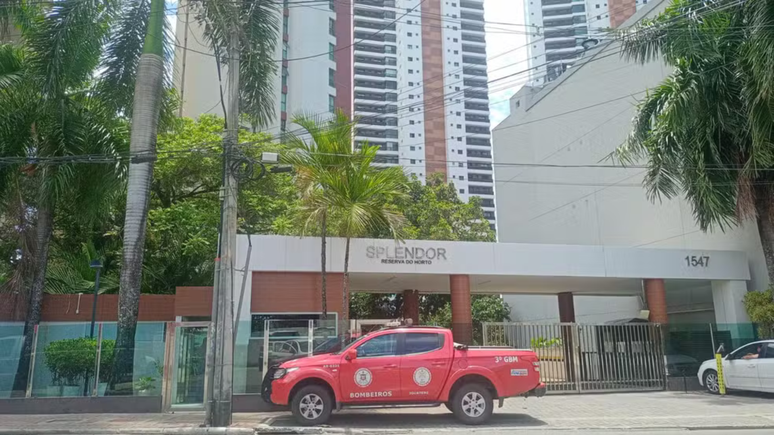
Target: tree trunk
{"points": [[345, 294], [43, 230], [765, 220], [145, 114], [323, 274]]}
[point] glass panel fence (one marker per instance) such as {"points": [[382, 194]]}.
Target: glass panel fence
{"points": [[11, 343], [66, 360]]}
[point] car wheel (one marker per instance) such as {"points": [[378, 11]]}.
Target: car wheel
{"points": [[312, 405], [472, 404], [711, 382]]}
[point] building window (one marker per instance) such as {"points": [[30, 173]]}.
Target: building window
{"points": [[456, 64], [456, 76], [456, 52], [390, 72], [408, 22], [454, 40], [331, 50], [332, 77], [411, 71], [462, 191], [411, 83], [459, 151], [456, 88], [413, 162], [410, 46], [412, 148], [459, 126], [331, 103], [408, 34], [410, 59], [411, 122], [459, 139], [284, 103], [459, 113], [459, 164], [412, 135], [332, 26], [390, 49], [462, 178]]}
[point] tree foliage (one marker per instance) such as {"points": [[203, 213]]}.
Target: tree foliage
{"points": [[760, 309]]}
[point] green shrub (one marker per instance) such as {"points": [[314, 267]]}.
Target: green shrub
{"points": [[72, 360], [542, 342], [760, 309]]}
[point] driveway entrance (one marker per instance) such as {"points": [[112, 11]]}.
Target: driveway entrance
{"points": [[589, 358]]}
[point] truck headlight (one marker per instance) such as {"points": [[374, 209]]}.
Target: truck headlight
{"points": [[280, 373]]}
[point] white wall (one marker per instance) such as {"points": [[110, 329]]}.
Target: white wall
{"points": [[409, 57], [580, 119]]}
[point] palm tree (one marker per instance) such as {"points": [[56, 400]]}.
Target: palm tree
{"points": [[360, 197], [325, 147], [48, 116], [135, 60], [707, 130]]}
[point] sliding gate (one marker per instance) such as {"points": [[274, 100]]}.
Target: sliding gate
{"points": [[589, 358]]}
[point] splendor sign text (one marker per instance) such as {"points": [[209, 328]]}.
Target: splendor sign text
{"points": [[405, 254]]}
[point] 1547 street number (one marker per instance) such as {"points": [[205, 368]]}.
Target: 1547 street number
{"points": [[697, 260]]}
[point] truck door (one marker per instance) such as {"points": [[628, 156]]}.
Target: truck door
{"points": [[374, 375], [424, 366]]}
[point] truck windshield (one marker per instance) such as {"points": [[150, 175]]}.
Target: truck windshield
{"points": [[353, 343]]}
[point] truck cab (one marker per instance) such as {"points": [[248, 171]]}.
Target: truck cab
{"points": [[408, 366]]}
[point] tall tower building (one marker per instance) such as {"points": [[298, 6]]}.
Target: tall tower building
{"points": [[413, 72], [420, 90], [560, 27]]}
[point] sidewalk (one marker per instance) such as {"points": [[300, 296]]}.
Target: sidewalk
{"points": [[596, 412]]}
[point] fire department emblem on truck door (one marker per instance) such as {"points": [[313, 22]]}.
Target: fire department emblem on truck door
{"points": [[363, 377], [422, 376]]}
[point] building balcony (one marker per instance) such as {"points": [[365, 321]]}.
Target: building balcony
{"points": [[487, 203], [471, 117], [473, 49], [480, 178], [479, 166], [373, 121], [474, 5], [471, 27], [472, 16], [479, 154], [374, 108], [480, 190], [478, 141], [382, 27], [473, 71], [374, 84], [475, 95], [368, 133]]}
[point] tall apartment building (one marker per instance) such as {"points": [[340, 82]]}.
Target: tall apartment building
{"points": [[420, 90], [412, 71], [561, 26]]}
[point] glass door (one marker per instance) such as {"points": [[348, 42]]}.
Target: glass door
{"points": [[189, 366]]}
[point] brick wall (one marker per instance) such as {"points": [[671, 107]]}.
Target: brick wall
{"points": [[432, 77], [620, 11], [276, 292]]}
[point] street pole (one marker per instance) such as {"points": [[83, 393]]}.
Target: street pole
{"points": [[223, 334], [95, 264]]}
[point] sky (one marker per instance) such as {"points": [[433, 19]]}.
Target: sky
{"points": [[506, 53]]}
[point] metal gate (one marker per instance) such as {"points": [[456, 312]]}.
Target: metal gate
{"points": [[589, 358]]}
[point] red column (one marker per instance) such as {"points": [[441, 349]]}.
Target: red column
{"points": [[655, 294], [462, 318], [566, 308], [411, 305]]}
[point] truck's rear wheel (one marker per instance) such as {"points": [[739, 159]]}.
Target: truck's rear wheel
{"points": [[472, 404], [312, 405]]}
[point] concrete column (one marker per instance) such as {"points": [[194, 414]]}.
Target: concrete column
{"points": [[411, 305], [655, 295], [462, 318], [727, 297], [566, 307]]}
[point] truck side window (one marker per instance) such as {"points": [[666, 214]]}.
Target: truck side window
{"points": [[422, 342], [383, 345]]}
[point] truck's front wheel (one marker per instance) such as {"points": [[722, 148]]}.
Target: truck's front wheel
{"points": [[472, 404], [312, 405]]}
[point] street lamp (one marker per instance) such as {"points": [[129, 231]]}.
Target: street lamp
{"points": [[95, 264]]}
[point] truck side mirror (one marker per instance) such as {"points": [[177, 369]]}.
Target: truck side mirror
{"points": [[351, 355]]}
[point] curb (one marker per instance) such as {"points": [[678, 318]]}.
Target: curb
{"points": [[266, 429], [135, 431]]}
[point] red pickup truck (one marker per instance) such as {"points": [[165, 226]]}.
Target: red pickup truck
{"points": [[406, 366]]}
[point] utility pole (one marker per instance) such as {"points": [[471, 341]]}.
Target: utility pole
{"points": [[220, 359]]}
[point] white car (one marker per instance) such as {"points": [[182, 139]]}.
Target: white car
{"points": [[751, 367]]}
